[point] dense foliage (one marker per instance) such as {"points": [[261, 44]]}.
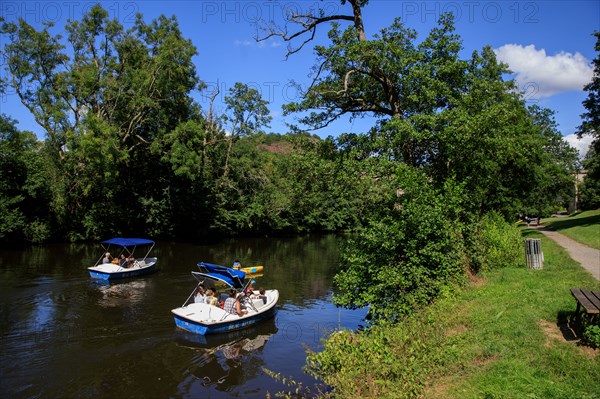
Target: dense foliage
{"points": [[590, 189], [460, 143], [24, 189], [494, 244], [403, 260], [127, 150]]}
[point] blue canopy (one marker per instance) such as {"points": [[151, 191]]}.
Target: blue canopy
{"points": [[231, 277], [128, 242]]}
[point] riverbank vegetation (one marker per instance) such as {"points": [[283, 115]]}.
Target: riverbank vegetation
{"points": [[505, 335]]}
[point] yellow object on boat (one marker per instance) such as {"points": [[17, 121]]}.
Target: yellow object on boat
{"points": [[252, 269]]}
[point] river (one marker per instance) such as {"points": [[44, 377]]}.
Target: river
{"points": [[66, 335]]}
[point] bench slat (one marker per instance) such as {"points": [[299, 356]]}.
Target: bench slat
{"points": [[590, 300], [594, 298]]}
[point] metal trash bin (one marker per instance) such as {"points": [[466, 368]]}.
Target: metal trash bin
{"points": [[534, 254]]}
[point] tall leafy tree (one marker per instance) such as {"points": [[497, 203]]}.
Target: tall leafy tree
{"points": [[246, 113], [389, 77], [590, 125], [462, 141], [24, 189], [102, 102], [509, 157]]}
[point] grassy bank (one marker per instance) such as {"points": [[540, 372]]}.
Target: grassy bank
{"points": [[504, 336], [512, 338], [583, 227]]}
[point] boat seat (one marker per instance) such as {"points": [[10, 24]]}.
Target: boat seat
{"points": [[258, 303]]}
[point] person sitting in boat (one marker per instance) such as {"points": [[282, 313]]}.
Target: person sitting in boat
{"points": [[237, 265], [210, 298], [106, 258], [222, 297], [250, 289], [122, 260], [232, 304], [261, 295], [199, 295], [130, 262]]}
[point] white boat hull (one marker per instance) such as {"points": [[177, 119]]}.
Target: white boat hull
{"points": [[201, 318], [109, 271]]}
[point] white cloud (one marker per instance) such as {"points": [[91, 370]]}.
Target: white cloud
{"points": [[581, 145], [243, 43], [542, 75], [254, 43]]}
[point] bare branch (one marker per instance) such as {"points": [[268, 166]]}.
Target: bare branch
{"points": [[308, 23]]}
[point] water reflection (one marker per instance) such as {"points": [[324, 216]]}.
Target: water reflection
{"points": [[224, 361], [120, 293]]}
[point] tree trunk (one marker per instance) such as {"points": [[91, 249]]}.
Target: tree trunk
{"points": [[226, 171], [358, 20]]}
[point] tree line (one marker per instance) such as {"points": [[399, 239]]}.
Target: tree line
{"points": [[453, 155]]}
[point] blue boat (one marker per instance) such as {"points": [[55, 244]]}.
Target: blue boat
{"points": [[202, 318], [108, 267]]}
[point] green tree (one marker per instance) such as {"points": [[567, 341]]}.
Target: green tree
{"points": [[102, 103], [510, 158], [461, 140], [247, 113], [23, 186], [590, 125], [407, 258], [589, 191], [237, 189]]}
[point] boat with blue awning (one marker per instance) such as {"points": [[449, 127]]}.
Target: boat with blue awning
{"points": [[203, 318], [119, 259]]}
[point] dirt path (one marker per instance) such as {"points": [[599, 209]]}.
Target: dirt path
{"points": [[588, 257]]}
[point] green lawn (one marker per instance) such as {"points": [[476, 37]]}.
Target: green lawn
{"points": [[583, 227], [513, 340]]}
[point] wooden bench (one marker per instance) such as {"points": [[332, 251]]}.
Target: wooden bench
{"points": [[588, 301]]}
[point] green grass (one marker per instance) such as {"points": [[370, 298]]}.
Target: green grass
{"points": [[511, 344], [583, 227], [504, 336]]}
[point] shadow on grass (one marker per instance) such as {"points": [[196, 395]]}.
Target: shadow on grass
{"points": [[557, 225], [570, 331], [530, 233]]}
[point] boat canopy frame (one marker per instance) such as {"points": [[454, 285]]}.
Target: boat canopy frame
{"points": [[232, 278], [128, 245]]}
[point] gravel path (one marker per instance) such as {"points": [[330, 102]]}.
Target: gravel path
{"points": [[588, 257]]}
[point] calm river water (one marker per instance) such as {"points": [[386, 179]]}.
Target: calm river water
{"points": [[64, 335]]}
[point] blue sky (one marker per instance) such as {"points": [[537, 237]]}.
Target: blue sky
{"points": [[548, 44]]}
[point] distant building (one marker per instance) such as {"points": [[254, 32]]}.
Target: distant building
{"points": [[579, 177]]}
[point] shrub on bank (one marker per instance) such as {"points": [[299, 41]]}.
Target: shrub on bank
{"points": [[591, 335], [493, 244], [409, 257], [387, 361]]}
